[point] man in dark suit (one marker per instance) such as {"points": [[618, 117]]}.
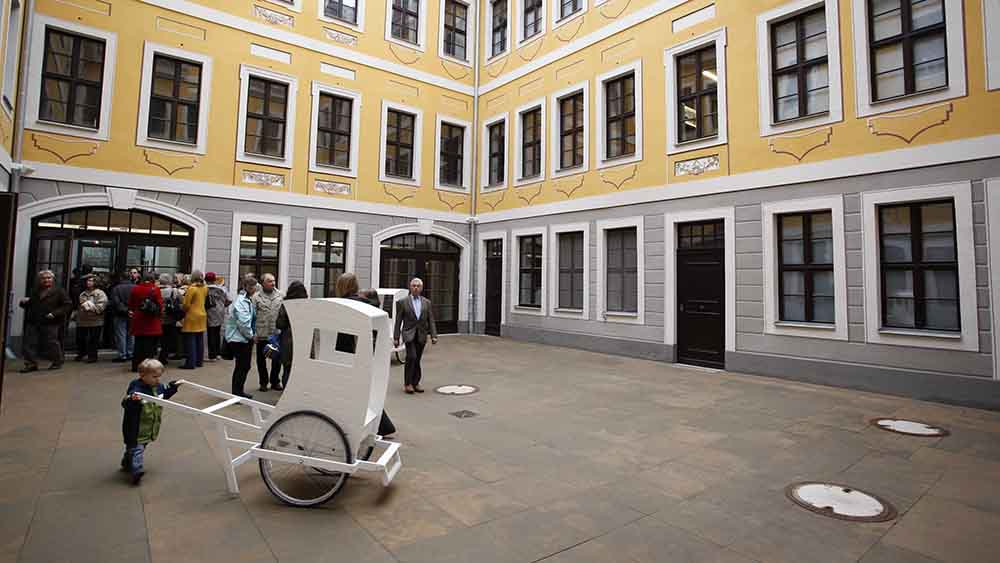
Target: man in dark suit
{"points": [[414, 322]]}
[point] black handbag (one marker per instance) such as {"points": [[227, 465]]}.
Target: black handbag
{"points": [[225, 350]]}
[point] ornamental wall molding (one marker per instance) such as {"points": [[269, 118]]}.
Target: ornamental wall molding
{"points": [[268, 179], [799, 145], [273, 17], [332, 188], [169, 162], [64, 149], [697, 166], [908, 126]]}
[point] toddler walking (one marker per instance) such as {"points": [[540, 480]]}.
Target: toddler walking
{"points": [[141, 420]]}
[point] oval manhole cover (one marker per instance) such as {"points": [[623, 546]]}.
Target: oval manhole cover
{"points": [[840, 501], [457, 389], [909, 427]]}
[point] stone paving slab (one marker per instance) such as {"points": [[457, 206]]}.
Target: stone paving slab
{"points": [[571, 457]]}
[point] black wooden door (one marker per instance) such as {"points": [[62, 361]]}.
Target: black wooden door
{"points": [[494, 286], [701, 284]]}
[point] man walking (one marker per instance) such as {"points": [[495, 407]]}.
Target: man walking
{"points": [[414, 322], [45, 313]]}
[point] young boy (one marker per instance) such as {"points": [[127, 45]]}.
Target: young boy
{"points": [[141, 421]]}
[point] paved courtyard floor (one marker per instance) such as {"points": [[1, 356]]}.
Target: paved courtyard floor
{"points": [[572, 457]]}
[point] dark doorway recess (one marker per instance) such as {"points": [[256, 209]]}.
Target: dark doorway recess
{"points": [[433, 259], [701, 285]]}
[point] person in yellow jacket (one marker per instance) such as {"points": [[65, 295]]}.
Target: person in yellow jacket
{"points": [[195, 320]]}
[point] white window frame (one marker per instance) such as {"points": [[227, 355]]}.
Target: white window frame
{"points": [[639, 317], [467, 135], [421, 27], [968, 339], [294, 5], [991, 39], [359, 26], [602, 109], [772, 322], [284, 245], [37, 53], [554, 309], [554, 146], [481, 278], [11, 49], [311, 225], [484, 164], [521, 41], [718, 38], [558, 22], [835, 113], [670, 221], [352, 170], [489, 26], [515, 262], [246, 71], [955, 48], [470, 20], [418, 143], [519, 180], [146, 89]]}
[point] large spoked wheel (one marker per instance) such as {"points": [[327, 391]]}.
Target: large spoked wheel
{"points": [[304, 433]]}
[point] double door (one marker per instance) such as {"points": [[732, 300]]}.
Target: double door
{"points": [[439, 273]]}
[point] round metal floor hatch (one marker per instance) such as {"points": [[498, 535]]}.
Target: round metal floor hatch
{"points": [[457, 389], [840, 501], [909, 427]]}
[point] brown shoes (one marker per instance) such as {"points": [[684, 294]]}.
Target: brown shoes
{"points": [[418, 389], [408, 389]]}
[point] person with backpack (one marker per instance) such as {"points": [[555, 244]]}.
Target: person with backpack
{"points": [[195, 320], [171, 314], [145, 307]]}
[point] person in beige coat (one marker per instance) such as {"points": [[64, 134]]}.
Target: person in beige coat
{"points": [[90, 317]]}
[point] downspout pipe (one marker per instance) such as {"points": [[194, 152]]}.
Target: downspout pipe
{"points": [[476, 172]]}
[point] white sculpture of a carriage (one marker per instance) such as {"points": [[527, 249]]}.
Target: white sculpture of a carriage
{"points": [[324, 426]]}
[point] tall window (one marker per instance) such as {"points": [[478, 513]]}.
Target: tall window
{"points": [[801, 78], [406, 20], [619, 126], [697, 95], [571, 290], [329, 256], [532, 20], [622, 271], [266, 113], [455, 28], [452, 149], [805, 267], [72, 79], [497, 150], [12, 53], [260, 246], [919, 266], [333, 135], [399, 144], [907, 40], [499, 25], [569, 7], [343, 10], [530, 271], [571, 131], [174, 99], [531, 143]]}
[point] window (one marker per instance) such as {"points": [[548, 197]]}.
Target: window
{"points": [[343, 10], [571, 131], [72, 77], [805, 267], [620, 116], [530, 271], [531, 143], [697, 97], [455, 29], [533, 19], [175, 97], [399, 138], [569, 7], [622, 276], [571, 266], [801, 80], [452, 143], [267, 104], [919, 266], [405, 23], [333, 131], [12, 53], [498, 22], [329, 259], [260, 248], [907, 47], [497, 152]]}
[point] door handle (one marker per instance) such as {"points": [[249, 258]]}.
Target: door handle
{"points": [[682, 307]]}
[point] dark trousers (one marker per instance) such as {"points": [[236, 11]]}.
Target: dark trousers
{"points": [[241, 367], [168, 342], [411, 372], [42, 340], [262, 374], [195, 345], [214, 341], [90, 341], [145, 348]]}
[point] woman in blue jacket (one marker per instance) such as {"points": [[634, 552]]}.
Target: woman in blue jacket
{"points": [[240, 326]]}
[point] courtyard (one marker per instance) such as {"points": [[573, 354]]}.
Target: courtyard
{"points": [[565, 456]]}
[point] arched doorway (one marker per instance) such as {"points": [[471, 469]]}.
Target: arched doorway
{"points": [[436, 261]]}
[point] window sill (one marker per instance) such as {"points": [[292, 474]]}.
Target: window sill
{"points": [[802, 324], [333, 170], [908, 101], [492, 188], [168, 145], [569, 311], [398, 180], [455, 60], [529, 180], [405, 43], [451, 188], [798, 124], [528, 310], [620, 160], [695, 144], [906, 97], [264, 160], [342, 23], [571, 171], [620, 315], [525, 42], [556, 24], [494, 58], [66, 129], [921, 333]]}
